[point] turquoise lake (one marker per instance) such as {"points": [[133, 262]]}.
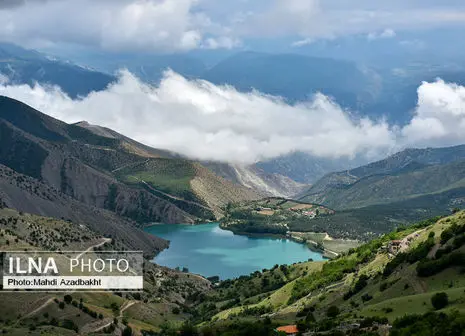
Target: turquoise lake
{"points": [[208, 250]]}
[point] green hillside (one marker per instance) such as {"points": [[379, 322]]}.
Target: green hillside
{"points": [[370, 289], [270, 215], [413, 181], [406, 175]]}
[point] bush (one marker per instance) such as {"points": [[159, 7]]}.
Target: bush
{"points": [[127, 331], [68, 299], [439, 300], [332, 312], [366, 297]]}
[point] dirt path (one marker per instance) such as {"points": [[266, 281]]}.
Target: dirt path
{"points": [[124, 307], [129, 165], [105, 240], [176, 198], [50, 300], [45, 304]]}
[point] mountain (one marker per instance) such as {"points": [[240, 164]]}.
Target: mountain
{"points": [[251, 176], [305, 168], [23, 66], [296, 77], [405, 175], [167, 293], [103, 169]]}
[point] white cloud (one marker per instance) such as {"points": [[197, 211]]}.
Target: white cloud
{"points": [[304, 42], [223, 42], [316, 19], [385, 34], [439, 119], [179, 25], [149, 25], [209, 122]]}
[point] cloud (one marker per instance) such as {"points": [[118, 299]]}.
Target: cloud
{"points": [[385, 34], [180, 25], [208, 122], [136, 25], [439, 119], [304, 42], [317, 19]]}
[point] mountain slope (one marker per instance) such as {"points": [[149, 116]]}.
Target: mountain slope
{"points": [[114, 173], [408, 174], [269, 184], [165, 292], [295, 77], [305, 168], [23, 66], [27, 194], [365, 290]]}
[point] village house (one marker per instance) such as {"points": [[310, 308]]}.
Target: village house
{"points": [[394, 246]]}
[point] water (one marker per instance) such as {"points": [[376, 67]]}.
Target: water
{"points": [[208, 250]]}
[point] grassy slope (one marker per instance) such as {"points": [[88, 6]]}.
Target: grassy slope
{"points": [[405, 292]]}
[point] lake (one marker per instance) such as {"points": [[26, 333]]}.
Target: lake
{"points": [[208, 250]]}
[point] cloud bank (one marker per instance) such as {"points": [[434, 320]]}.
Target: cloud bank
{"points": [[180, 25], [135, 25], [208, 122]]}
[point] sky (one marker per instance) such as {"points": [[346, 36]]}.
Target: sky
{"points": [[210, 122], [183, 25]]}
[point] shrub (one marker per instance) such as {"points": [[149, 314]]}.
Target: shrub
{"points": [[332, 312], [68, 299], [439, 300]]}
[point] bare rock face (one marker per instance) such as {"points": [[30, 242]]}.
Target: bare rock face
{"points": [[252, 177]]}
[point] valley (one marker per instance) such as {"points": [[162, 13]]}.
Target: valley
{"points": [[225, 247]]}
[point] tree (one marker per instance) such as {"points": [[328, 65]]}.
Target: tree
{"points": [[332, 312], [439, 300], [68, 299], [127, 331]]}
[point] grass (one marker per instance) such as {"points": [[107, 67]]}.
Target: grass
{"points": [[168, 175], [419, 304]]}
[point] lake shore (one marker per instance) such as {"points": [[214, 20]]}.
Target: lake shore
{"points": [[321, 242], [209, 250]]}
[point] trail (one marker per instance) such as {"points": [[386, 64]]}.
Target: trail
{"points": [[50, 300], [129, 165], [105, 240], [125, 306], [176, 198], [45, 304]]}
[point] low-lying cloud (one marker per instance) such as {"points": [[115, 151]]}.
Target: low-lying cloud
{"points": [[208, 122]]}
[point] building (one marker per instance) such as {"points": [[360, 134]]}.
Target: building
{"points": [[289, 329], [394, 246]]}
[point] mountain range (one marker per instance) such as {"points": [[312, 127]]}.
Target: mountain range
{"points": [[403, 176], [56, 169]]}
